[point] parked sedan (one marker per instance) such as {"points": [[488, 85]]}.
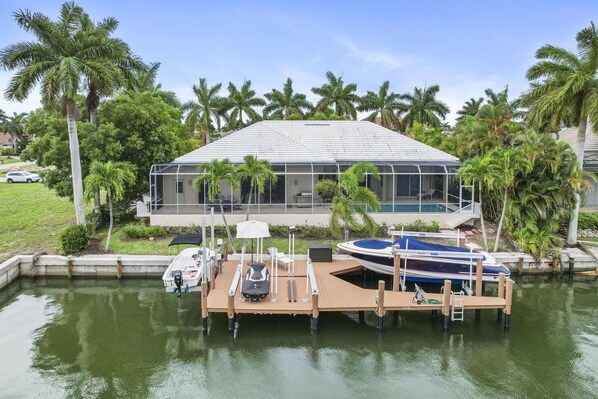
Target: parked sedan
{"points": [[22, 177]]}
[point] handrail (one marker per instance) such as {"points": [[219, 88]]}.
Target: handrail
{"points": [[402, 233], [312, 278], [232, 291]]}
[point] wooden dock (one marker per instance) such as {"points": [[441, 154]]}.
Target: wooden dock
{"points": [[320, 290]]}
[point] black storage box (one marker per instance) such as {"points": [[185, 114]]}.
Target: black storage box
{"points": [[320, 252]]}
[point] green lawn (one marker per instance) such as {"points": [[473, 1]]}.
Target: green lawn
{"points": [[31, 218], [159, 246], [8, 161]]}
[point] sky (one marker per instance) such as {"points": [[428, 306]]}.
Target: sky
{"points": [[463, 46]]}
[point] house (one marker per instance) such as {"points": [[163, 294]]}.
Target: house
{"points": [[590, 158], [416, 180], [6, 141]]}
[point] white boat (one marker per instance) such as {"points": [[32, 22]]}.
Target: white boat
{"points": [[186, 271], [422, 261]]}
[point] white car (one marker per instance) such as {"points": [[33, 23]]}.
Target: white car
{"points": [[22, 177]]}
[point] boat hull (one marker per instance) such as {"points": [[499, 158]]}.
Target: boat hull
{"points": [[189, 263], [421, 268]]}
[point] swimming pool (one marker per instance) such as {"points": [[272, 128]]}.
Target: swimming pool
{"points": [[430, 208]]}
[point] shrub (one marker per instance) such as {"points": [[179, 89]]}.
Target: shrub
{"points": [[141, 231], [8, 151], [588, 221], [74, 239]]}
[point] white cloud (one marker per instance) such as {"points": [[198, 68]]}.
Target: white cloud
{"points": [[383, 59]]}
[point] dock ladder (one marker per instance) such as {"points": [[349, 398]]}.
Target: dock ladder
{"points": [[457, 306]]}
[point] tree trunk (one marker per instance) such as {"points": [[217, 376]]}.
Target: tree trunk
{"points": [[75, 162], [482, 219], [502, 218], [249, 202], [230, 237], [111, 220], [579, 153], [93, 116], [93, 119]]}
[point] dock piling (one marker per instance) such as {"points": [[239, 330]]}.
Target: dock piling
{"points": [[230, 312], [204, 306], [225, 252], [509, 301], [69, 266], [571, 265], [501, 293], [446, 303], [380, 310], [119, 267], [315, 313], [520, 265]]}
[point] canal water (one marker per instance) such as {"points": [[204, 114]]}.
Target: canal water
{"points": [[129, 339]]}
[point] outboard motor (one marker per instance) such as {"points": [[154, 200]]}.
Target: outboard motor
{"points": [[178, 282]]}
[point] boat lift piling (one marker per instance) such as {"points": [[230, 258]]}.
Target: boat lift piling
{"points": [[446, 304], [380, 302], [478, 285], [501, 293]]}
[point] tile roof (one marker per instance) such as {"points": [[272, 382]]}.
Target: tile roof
{"points": [[318, 142]]}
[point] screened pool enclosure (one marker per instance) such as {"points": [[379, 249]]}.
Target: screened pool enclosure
{"points": [[401, 188]]}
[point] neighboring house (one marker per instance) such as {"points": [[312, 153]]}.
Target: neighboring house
{"points": [[6, 141], [590, 158], [416, 180]]}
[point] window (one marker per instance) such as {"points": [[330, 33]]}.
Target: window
{"points": [[407, 185], [179, 186]]}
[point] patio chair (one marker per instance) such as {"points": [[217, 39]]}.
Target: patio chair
{"points": [[281, 257], [427, 194]]}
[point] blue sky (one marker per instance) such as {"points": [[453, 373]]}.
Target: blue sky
{"points": [[464, 46]]}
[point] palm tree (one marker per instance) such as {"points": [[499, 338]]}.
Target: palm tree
{"points": [[471, 107], [502, 98], [385, 104], [259, 172], [213, 174], [207, 106], [286, 102], [121, 57], [507, 165], [145, 81], [478, 169], [58, 60], [565, 90], [349, 199], [423, 107], [113, 177], [243, 101], [15, 126], [335, 94]]}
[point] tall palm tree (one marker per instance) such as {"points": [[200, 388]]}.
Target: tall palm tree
{"points": [[507, 164], [213, 174], [259, 172], [126, 63], [350, 199], [283, 103], [479, 170], [207, 106], [471, 107], [385, 104], [565, 90], [243, 101], [58, 60], [423, 107], [337, 95], [145, 81], [113, 177]]}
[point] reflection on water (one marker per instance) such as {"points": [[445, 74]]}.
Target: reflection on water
{"points": [[127, 339]]}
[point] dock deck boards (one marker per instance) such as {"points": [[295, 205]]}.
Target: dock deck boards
{"points": [[334, 294]]}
